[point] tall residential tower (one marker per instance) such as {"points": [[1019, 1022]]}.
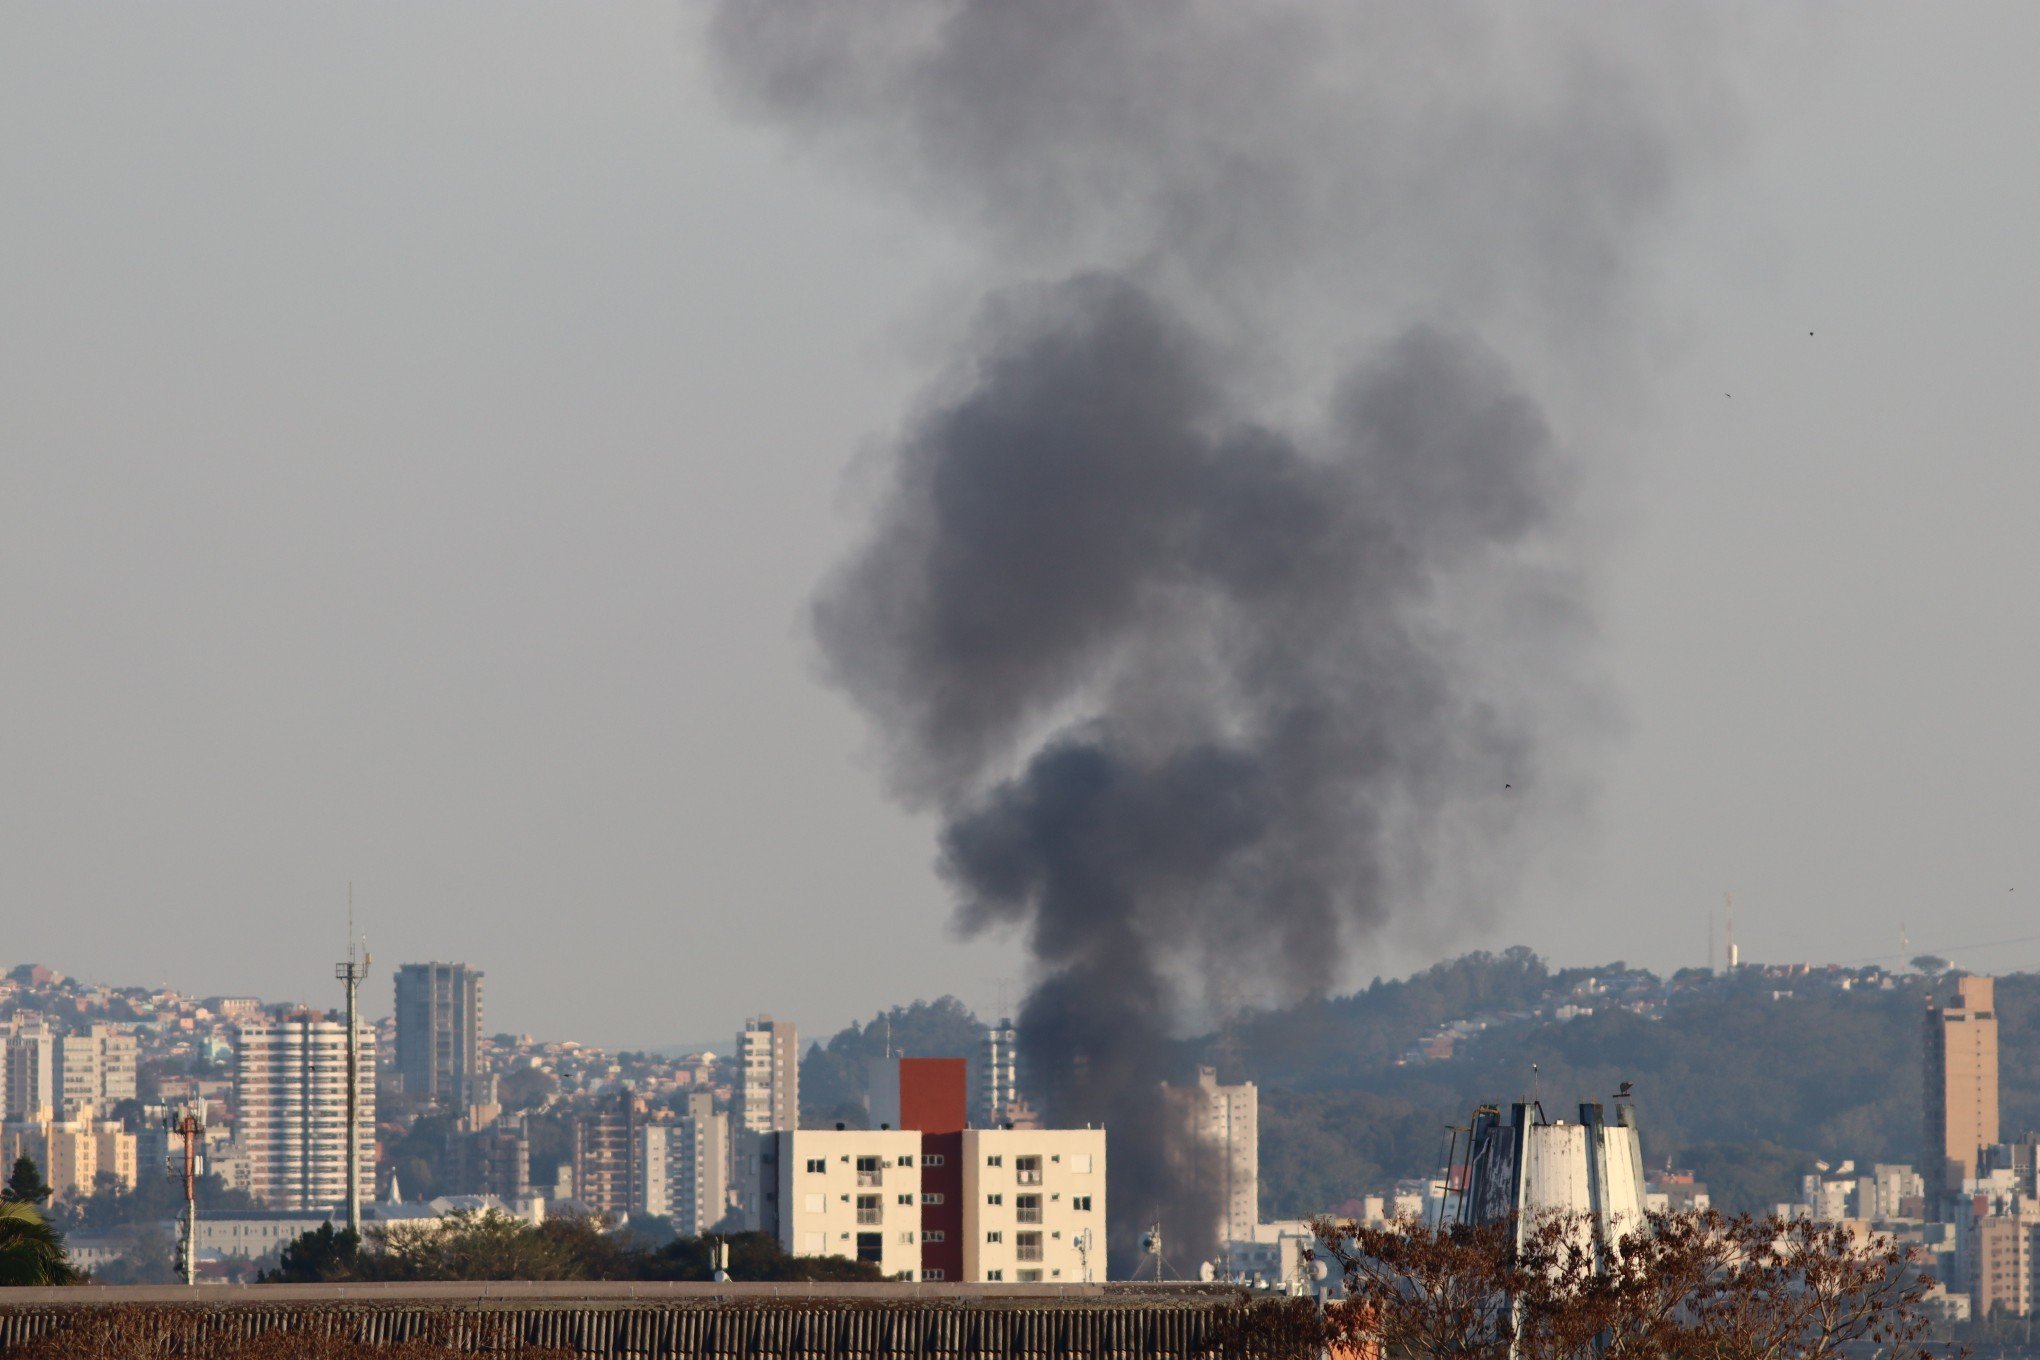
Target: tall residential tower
{"points": [[290, 1103], [1962, 1081], [439, 1032]]}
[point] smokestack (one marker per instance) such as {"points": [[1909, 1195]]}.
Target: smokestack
{"points": [[1211, 649]]}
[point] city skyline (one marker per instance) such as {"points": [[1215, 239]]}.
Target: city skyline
{"points": [[521, 639]]}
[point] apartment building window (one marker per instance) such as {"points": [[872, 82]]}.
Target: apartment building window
{"points": [[870, 1171], [934, 1235], [906, 1161], [1029, 1277], [995, 1160], [1081, 1203], [871, 1247], [817, 1166], [906, 1199], [931, 1197], [1027, 1208], [995, 1200], [906, 1239], [994, 1276], [1027, 1246], [995, 1237], [935, 1275], [869, 1209], [934, 1159], [1027, 1170]]}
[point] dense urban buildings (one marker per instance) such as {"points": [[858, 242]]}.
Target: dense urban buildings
{"points": [[290, 1107], [439, 1028], [1961, 1081], [684, 1167]]}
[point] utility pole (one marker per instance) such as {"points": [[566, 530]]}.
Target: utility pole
{"points": [[189, 1129], [351, 973]]}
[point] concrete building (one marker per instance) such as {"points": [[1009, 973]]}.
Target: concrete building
{"points": [[95, 1070], [764, 1099], [850, 1192], [80, 1152], [684, 1167], [765, 1090], [439, 1033], [494, 1159], [605, 1150], [31, 1070], [1213, 1138], [927, 1198], [290, 1109], [1034, 1206], [1961, 1082]]}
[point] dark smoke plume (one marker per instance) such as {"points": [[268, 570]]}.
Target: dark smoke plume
{"points": [[1205, 689]]}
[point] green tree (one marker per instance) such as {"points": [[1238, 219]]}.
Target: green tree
{"points": [[317, 1257], [31, 1251], [26, 1185]]}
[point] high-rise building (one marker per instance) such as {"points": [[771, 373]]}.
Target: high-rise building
{"points": [[1961, 1082], [439, 1033], [1213, 1138], [765, 1092], [765, 1098], [31, 1088], [997, 1080], [605, 1155], [95, 1069], [290, 1108], [683, 1167], [494, 1159]]}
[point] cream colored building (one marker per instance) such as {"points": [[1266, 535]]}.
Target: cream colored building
{"points": [[94, 1070], [849, 1192], [1034, 1206], [74, 1154]]}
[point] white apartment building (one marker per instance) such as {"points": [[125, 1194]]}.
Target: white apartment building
{"points": [[1034, 1206], [684, 1167], [290, 1109], [851, 1192], [95, 1070], [765, 1092], [1214, 1133], [764, 1098], [30, 1084]]}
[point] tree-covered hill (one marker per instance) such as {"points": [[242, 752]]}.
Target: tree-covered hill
{"points": [[1746, 1080]]}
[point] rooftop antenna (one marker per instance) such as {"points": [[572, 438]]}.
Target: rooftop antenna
{"points": [[351, 973], [1711, 969]]}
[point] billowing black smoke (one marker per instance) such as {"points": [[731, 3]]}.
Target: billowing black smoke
{"points": [[1226, 631], [1205, 689]]}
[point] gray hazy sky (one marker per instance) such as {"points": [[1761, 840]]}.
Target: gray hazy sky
{"points": [[425, 428]]}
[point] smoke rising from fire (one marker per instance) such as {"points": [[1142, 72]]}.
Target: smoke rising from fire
{"points": [[1214, 644]]}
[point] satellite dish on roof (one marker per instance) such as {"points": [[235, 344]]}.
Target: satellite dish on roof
{"points": [[1207, 1272], [1319, 1270]]}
